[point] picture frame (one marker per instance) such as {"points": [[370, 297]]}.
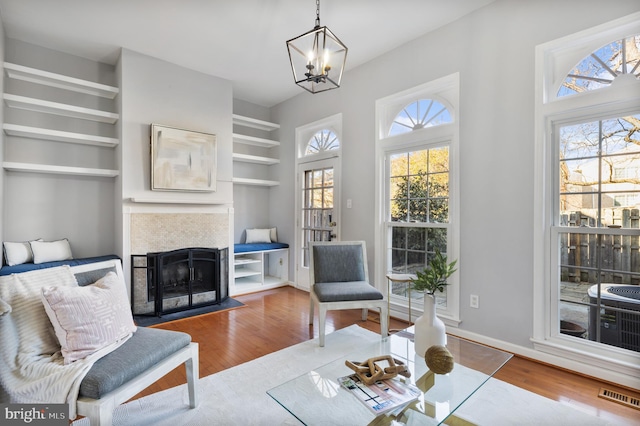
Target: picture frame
{"points": [[182, 160]]}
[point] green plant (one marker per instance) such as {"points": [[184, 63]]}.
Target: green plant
{"points": [[434, 277]]}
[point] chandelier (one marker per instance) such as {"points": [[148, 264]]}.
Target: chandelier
{"points": [[317, 58]]}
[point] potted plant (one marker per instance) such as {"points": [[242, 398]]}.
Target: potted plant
{"points": [[434, 277], [429, 329]]}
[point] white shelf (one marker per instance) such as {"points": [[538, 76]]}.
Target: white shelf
{"points": [[254, 123], [62, 170], [39, 105], [57, 135], [252, 140], [244, 260], [46, 78], [247, 273], [255, 182], [255, 159]]}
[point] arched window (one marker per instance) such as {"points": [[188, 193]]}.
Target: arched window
{"points": [[418, 115], [323, 140], [620, 59]]}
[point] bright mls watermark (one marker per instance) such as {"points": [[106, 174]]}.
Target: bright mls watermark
{"points": [[34, 414]]}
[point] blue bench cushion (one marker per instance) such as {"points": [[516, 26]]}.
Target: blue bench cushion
{"points": [[143, 350], [243, 248], [24, 267], [346, 291]]}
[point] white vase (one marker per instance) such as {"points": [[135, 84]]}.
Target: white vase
{"points": [[429, 330]]}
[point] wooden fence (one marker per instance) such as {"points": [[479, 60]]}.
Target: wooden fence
{"points": [[619, 254]]}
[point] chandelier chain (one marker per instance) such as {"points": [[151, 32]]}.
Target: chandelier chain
{"points": [[317, 13]]}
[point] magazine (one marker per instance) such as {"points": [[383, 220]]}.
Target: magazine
{"points": [[382, 396]]}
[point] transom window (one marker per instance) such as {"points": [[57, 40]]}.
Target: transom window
{"points": [[418, 115], [321, 141], [620, 59]]}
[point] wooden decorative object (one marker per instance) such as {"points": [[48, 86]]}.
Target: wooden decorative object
{"points": [[439, 359], [370, 371]]}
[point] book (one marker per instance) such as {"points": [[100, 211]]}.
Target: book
{"points": [[383, 395]]}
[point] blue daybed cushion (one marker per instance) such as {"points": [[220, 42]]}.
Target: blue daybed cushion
{"points": [[24, 267], [244, 248]]}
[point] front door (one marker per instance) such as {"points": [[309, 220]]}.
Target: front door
{"points": [[317, 215]]}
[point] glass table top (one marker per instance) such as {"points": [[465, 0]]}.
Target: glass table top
{"points": [[317, 398]]}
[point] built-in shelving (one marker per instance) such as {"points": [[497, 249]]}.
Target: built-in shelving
{"points": [[254, 123], [255, 159], [29, 103], [260, 270], [255, 182], [56, 108], [62, 170], [252, 140], [240, 138], [33, 75], [57, 135]]}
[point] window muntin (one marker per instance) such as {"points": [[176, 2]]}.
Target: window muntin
{"points": [[418, 115], [598, 165], [419, 186], [603, 66], [323, 140]]}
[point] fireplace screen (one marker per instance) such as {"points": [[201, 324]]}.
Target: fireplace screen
{"points": [[179, 280]]}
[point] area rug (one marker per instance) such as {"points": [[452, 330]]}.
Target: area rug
{"points": [[148, 320], [237, 396]]}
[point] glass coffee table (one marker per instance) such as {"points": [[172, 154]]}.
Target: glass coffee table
{"points": [[316, 397]]}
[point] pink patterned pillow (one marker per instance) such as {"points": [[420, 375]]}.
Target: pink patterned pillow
{"points": [[87, 319]]}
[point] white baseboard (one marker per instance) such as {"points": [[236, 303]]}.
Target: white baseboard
{"points": [[629, 379]]}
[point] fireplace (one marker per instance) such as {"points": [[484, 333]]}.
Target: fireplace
{"points": [[182, 279]]}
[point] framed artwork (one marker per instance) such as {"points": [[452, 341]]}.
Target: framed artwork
{"points": [[182, 160]]}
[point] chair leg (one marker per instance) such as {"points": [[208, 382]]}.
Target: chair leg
{"points": [[365, 313], [192, 369], [322, 315], [310, 311], [384, 322]]}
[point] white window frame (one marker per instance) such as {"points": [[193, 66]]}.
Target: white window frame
{"points": [[446, 91], [553, 61], [306, 132]]}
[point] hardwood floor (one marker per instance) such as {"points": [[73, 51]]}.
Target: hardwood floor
{"points": [[275, 319]]}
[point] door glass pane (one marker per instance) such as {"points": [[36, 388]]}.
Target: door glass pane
{"points": [[317, 209]]}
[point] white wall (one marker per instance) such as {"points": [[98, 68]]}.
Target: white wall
{"points": [[155, 91], [493, 50]]}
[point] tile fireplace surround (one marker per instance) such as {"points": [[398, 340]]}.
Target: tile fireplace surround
{"points": [[155, 232]]}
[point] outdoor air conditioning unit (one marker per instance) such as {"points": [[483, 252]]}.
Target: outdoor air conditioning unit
{"points": [[620, 329]]}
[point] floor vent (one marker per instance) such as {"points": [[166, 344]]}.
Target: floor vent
{"points": [[620, 398]]}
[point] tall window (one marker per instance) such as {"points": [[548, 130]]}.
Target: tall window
{"points": [[417, 131], [418, 209], [599, 263], [587, 307]]}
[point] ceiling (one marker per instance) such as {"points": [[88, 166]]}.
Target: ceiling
{"points": [[242, 40]]}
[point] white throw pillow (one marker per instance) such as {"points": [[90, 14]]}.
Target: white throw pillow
{"points": [[87, 319], [50, 251], [18, 253], [273, 234], [258, 236]]}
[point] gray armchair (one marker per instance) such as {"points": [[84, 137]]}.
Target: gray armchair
{"points": [[339, 279]]}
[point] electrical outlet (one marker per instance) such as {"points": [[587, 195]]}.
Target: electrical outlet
{"points": [[474, 301]]}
